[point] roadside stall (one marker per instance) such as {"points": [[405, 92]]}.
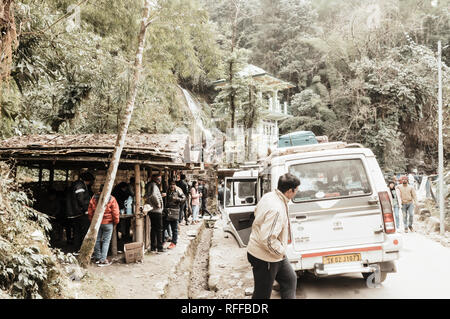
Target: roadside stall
{"points": [[58, 160]]}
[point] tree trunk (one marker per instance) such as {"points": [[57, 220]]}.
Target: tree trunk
{"points": [[89, 241], [8, 40]]}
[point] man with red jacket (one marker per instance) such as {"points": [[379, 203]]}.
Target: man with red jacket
{"points": [[110, 218]]}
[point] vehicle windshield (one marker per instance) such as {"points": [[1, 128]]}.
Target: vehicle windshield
{"points": [[330, 180]]}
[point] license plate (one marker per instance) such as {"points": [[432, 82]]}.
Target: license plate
{"points": [[341, 258]]}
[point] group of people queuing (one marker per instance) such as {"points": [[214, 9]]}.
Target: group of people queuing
{"points": [[404, 198], [171, 204]]}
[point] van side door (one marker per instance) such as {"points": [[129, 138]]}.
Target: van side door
{"points": [[239, 206]]}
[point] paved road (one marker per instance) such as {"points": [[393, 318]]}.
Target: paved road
{"points": [[423, 271]]}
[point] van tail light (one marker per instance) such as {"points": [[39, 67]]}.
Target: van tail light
{"points": [[388, 215]]}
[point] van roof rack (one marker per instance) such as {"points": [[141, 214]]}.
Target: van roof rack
{"points": [[351, 145], [308, 148]]}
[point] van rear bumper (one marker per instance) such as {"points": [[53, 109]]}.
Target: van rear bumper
{"points": [[380, 253], [343, 268]]}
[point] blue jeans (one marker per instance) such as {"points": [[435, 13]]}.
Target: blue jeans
{"points": [[103, 240], [396, 215], [195, 209], [408, 209], [174, 227]]}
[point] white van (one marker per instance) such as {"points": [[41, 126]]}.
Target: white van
{"points": [[341, 218]]}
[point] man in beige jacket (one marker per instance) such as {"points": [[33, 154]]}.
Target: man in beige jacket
{"points": [[408, 199], [270, 235]]}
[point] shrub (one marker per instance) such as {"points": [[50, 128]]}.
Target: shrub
{"points": [[29, 268]]}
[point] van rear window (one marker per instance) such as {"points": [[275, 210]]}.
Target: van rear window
{"points": [[330, 180]]}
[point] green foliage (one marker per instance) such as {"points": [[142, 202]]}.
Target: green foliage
{"points": [[370, 65], [284, 42], [310, 114], [28, 267], [77, 81]]}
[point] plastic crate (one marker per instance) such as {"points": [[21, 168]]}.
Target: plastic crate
{"points": [[134, 252]]}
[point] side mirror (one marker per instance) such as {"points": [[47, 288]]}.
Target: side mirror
{"points": [[249, 200]]}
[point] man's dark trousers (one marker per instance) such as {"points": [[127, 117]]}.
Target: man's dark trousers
{"points": [[183, 211], [80, 228], [265, 273], [156, 232], [205, 210]]}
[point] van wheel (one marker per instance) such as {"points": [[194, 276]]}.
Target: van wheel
{"points": [[382, 277]]}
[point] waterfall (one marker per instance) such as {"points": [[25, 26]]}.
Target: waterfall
{"points": [[196, 113]]}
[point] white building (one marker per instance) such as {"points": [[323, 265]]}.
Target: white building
{"points": [[241, 146]]}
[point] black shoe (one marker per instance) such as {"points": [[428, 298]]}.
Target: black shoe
{"points": [[162, 250], [411, 228]]}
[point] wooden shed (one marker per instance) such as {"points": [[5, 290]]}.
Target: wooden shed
{"points": [[142, 155]]}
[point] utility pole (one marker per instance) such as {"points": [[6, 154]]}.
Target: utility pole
{"points": [[440, 144]]}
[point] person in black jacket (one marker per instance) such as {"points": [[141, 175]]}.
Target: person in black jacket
{"points": [[183, 207], [123, 192], [174, 199], [202, 188], [220, 193], [77, 204]]}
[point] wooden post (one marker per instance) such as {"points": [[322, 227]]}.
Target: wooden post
{"points": [[40, 175], [114, 242], [14, 172], [52, 175], [166, 177], [137, 189]]}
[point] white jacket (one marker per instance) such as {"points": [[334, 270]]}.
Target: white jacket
{"points": [[271, 228]]}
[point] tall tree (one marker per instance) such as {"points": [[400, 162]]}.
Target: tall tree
{"points": [[235, 89], [87, 247]]}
